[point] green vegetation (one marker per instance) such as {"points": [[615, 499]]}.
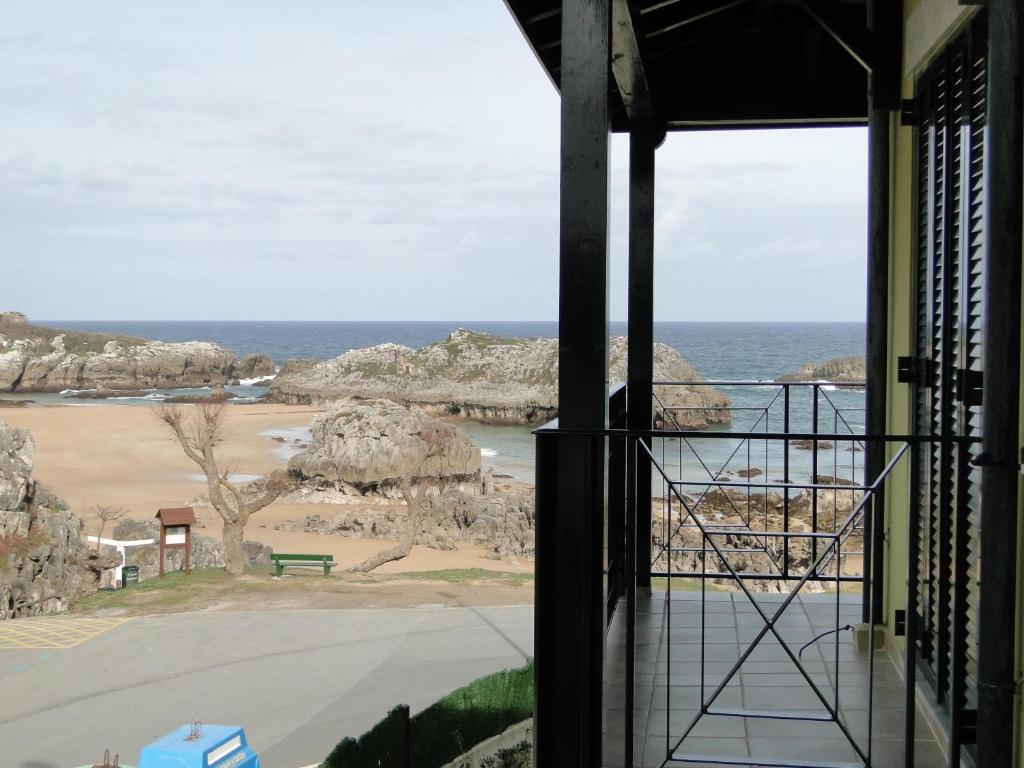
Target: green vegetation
{"points": [[446, 729], [304, 587], [175, 588], [75, 342], [458, 575], [519, 756], [374, 369]]}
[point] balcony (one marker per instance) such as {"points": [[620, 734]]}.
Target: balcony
{"points": [[739, 600]]}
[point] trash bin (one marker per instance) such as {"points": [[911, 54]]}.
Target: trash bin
{"points": [[129, 575], [200, 746]]}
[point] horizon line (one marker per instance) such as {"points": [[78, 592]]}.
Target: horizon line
{"points": [[451, 320]]}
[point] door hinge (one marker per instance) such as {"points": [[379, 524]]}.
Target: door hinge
{"points": [[914, 370], [906, 370], [969, 386], [908, 112]]}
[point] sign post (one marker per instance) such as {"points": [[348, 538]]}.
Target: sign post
{"points": [[176, 533]]}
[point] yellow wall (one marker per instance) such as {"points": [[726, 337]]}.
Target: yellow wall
{"points": [[929, 26]]}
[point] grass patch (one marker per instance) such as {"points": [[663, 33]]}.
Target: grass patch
{"points": [[459, 575], [173, 589], [446, 729]]}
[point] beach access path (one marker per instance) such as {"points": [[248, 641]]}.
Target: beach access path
{"points": [[297, 680]]}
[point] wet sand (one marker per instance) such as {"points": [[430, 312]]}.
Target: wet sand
{"points": [[124, 455]]}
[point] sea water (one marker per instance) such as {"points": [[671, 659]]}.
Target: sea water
{"points": [[750, 352]]}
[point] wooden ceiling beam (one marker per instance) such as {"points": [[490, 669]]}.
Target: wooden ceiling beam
{"points": [[628, 65], [855, 41]]}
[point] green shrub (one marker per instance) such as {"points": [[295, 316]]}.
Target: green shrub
{"points": [[446, 729]]}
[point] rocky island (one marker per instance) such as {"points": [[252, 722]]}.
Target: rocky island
{"points": [[483, 377], [36, 358], [840, 370]]}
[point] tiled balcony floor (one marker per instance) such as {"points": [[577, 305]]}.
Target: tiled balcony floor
{"points": [[668, 685]]}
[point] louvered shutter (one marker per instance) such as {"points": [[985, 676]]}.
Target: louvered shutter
{"points": [[950, 221], [948, 347]]}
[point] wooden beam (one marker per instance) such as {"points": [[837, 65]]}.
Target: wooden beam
{"points": [[570, 601], [643, 140], [885, 20], [1000, 478], [877, 356], [856, 42], [628, 65]]}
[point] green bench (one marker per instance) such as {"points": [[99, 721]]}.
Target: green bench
{"points": [[302, 561]]}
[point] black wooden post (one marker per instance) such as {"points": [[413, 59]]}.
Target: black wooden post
{"points": [[877, 356], [643, 140], [570, 602], [1001, 388], [403, 713]]}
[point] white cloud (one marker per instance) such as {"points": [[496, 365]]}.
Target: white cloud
{"points": [[295, 153]]}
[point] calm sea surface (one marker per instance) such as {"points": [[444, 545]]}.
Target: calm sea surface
{"points": [[720, 352]]}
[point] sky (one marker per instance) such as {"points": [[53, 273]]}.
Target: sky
{"points": [[358, 160]]}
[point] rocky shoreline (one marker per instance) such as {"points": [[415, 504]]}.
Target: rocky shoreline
{"points": [[838, 370], [36, 358], [485, 378]]}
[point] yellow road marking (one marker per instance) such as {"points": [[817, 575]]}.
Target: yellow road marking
{"points": [[53, 631]]}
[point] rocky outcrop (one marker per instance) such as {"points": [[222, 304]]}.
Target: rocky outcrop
{"points": [[483, 377], [501, 523], [254, 366], [363, 447], [841, 370], [205, 552], [745, 551], [296, 365], [44, 566], [39, 359]]}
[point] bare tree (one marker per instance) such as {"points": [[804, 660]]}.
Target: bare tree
{"points": [[199, 437], [107, 515], [436, 470]]}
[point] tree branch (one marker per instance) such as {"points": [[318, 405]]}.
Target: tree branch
{"points": [[174, 418]]}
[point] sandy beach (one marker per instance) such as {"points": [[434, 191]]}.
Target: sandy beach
{"points": [[123, 455]]}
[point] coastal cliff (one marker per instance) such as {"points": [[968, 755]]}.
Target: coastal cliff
{"points": [[39, 359], [483, 377], [44, 566], [838, 369]]}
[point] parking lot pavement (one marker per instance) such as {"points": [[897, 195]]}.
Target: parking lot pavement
{"points": [[44, 632], [298, 681]]}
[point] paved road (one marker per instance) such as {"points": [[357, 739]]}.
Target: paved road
{"points": [[298, 681]]}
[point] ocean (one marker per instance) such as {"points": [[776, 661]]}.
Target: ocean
{"points": [[751, 352]]}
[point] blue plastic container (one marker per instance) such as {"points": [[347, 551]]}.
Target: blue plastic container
{"points": [[218, 746]]}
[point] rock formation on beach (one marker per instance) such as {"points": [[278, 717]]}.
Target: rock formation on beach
{"points": [[841, 370], [483, 377], [363, 447], [40, 359], [367, 448], [745, 550], [44, 566], [502, 523]]}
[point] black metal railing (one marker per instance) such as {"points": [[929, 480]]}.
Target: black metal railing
{"points": [[803, 529], [712, 473]]}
